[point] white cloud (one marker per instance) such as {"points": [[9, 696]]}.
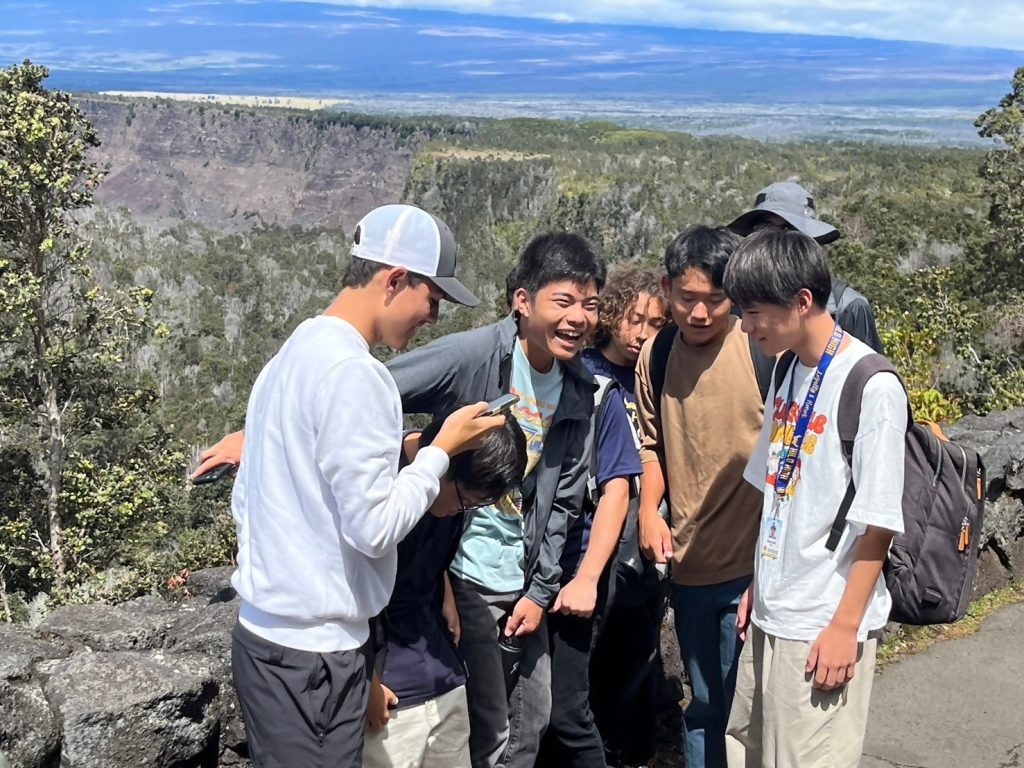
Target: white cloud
{"points": [[601, 58], [362, 15], [175, 7], [995, 23], [468, 63], [96, 60], [517, 36], [486, 32], [845, 74]]}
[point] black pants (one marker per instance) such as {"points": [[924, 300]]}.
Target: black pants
{"points": [[572, 738], [624, 669], [301, 709]]}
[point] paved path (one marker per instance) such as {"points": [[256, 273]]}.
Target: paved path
{"points": [[960, 704]]}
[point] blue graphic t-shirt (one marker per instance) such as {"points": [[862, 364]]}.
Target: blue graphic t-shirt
{"points": [[492, 552], [617, 456]]}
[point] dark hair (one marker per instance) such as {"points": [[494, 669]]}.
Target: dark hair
{"points": [[773, 265], [360, 272], [553, 257], [701, 247], [493, 469], [625, 284]]}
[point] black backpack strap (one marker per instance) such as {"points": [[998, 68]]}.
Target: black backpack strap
{"points": [[659, 360], [848, 422], [785, 361], [763, 367]]}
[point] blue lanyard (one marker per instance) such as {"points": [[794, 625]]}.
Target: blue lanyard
{"points": [[791, 451]]}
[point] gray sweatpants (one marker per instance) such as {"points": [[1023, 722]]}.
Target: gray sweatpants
{"points": [[301, 709]]}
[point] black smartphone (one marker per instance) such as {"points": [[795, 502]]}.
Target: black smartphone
{"points": [[501, 405], [214, 474]]}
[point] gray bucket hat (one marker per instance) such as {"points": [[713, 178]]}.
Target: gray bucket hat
{"points": [[790, 202]]}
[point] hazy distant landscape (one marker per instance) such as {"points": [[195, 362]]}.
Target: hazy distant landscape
{"points": [[405, 61]]}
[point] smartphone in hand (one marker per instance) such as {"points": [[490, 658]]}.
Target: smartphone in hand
{"points": [[214, 474], [501, 405]]}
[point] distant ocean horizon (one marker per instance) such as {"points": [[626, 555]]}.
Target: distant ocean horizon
{"points": [[926, 126], [768, 86]]}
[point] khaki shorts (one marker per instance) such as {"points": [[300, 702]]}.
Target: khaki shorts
{"points": [[779, 720], [434, 734]]}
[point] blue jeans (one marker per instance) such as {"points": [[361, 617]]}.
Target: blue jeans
{"points": [[706, 627]]}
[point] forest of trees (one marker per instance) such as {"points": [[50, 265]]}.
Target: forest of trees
{"points": [[126, 346]]}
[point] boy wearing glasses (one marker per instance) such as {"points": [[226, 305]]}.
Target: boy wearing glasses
{"points": [[507, 571], [418, 713]]}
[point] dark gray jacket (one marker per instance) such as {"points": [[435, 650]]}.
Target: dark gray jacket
{"points": [[853, 313], [476, 365]]}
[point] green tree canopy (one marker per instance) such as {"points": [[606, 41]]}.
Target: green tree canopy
{"points": [[70, 410], [1003, 172]]}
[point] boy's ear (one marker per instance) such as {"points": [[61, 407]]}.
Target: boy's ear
{"points": [[804, 300], [395, 278], [666, 285], [521, 301]]}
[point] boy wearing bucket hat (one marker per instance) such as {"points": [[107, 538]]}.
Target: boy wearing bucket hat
{"points": [[787, 205]]}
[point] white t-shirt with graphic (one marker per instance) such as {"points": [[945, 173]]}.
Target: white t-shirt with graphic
{"points": [[798, 583]]}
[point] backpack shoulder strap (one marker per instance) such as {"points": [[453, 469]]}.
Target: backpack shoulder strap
{"points": [[848, 416], [764, 365], [604, 385], [848, 422], [782, 366], [835, 297], [660, 349]]}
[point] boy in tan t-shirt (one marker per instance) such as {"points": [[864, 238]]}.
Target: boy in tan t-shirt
{"points": [[697, 439]]}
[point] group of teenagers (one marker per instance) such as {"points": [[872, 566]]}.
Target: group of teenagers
{"points": [[489, 590]]}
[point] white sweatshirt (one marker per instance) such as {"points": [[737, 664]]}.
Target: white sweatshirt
{"points": [[319, 503]]}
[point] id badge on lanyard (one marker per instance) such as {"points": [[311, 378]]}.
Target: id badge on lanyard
{"points": [[771, 530], [774, 523]]}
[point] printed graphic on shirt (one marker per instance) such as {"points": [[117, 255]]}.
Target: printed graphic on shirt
{"points": [[784, 420], [534, 416], [634, 418]]}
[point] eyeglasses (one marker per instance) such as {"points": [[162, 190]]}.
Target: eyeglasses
{"points": [[463, 507]]}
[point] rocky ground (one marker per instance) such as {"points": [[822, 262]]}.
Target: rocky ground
{"points": [[148, 683]]}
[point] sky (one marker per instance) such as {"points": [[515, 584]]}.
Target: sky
{"points": [[989, 23], [843, 53]]}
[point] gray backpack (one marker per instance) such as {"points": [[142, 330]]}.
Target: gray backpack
{"points": [[931, 565], [628, 552]]}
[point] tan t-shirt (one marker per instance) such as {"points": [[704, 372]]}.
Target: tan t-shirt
{"points": [[711, 414]]}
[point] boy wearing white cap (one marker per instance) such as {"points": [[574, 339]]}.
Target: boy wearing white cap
{"points": [[319, 502]]}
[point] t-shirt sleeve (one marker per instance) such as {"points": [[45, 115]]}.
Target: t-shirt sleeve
{"points": [[878, 455], [757, 466], [617, 455], [647, 411]]}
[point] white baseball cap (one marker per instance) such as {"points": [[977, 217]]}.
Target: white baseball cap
{"points": [[407, 236]]}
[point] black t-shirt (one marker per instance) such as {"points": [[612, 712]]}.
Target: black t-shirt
{"points": [[418, 660]]}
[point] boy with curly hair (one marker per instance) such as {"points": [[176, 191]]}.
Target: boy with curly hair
{"points": [[631, 310]]}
